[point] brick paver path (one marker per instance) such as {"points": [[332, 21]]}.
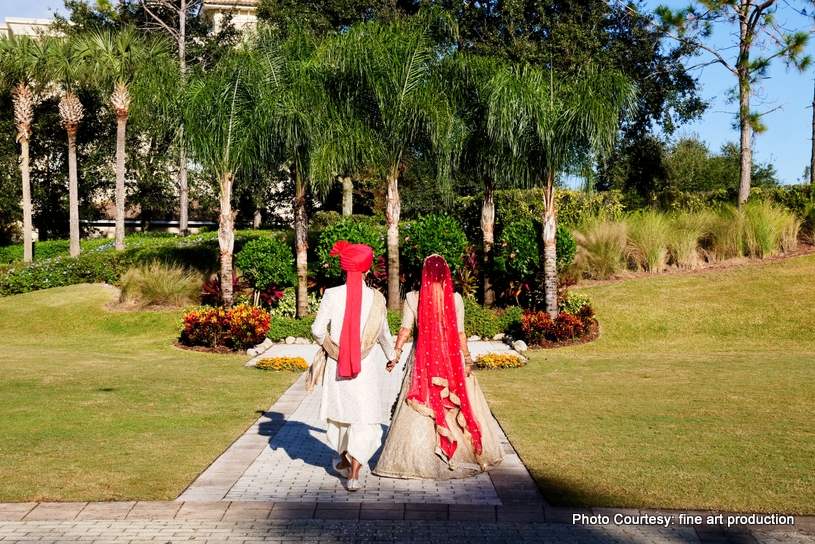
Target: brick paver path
{"points": [[273, 485]]}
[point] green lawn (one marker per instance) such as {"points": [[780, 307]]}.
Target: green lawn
{"points": [[699, 394], [99, 405]]}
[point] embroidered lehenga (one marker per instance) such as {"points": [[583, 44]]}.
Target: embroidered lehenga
{"points": [[442, 427]]}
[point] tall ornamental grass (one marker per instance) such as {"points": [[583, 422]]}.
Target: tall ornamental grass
{"points": [[600, 248], [159, 284], [686, 231], [726, 234], [768, 229], [647, 247]]}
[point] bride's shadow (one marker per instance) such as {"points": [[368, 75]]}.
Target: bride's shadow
{"points": [[302, 441]]}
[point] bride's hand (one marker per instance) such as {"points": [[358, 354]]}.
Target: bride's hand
{"points": [[468, 369], [390, 365]]}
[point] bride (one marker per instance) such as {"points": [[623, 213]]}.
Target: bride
{"points": [[442, 427]]}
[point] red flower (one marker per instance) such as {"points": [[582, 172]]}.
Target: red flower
{"points": [[511, 255], [325, 265]]}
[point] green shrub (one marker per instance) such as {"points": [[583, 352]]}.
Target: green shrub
{"points": [[282, 327], [572, 303], [266, 262], [479, 320], [601, 248], [648, 241], [432, 234], [394, 321], [352, 231], [519, 250], [158, 284], [287, 305], [510, 320]]}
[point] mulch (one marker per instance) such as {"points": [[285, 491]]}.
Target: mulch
{"points": [[220, 350], [590, 336]]}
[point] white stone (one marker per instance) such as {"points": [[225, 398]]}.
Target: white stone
{"points": [[302, 341], [519, 345], [290, 339], [252, 352], [499, 336], [267, 343], [474, 338]]}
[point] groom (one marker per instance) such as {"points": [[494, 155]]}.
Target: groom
{"points": [[351, 403]]}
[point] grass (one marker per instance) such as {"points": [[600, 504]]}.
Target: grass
{"points": [[600, 248], [648, 234], [99, 405], [697, 395]]}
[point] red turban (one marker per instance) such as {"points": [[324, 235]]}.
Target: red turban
{"points": [[354, 259]]}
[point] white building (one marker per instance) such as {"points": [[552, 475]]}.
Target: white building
{"points": [[244, 12], [24, 26]]}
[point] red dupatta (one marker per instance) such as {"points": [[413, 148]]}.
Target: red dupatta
{"points": [[437, 386]]}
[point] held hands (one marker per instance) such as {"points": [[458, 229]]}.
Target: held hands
{"points": [[391, 364]]}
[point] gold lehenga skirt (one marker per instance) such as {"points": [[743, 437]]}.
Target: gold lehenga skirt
{"points": [[411, 449]]}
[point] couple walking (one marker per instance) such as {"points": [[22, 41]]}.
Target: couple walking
{"points": [[441, 426]]}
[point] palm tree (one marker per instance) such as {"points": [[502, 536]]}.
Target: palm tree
{"points": [[22, 65], [65, 68], [392, 67], [118, 56], [552, 127], [220, 132]]}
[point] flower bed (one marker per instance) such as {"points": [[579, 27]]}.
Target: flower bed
{"points": [[238, 328], [492, 361], [288, 364]]}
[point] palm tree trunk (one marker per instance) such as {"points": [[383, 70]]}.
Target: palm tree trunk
{"points": [[393, 207], [73, 193], [121, 124], [488, 234], [347, 196], [28, 235], [550, 247], [301, 242], [257, 218], [183, 190], [226, 238], [183, 187]]}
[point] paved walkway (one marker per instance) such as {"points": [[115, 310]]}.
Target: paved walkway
{"points": [[273, 485]]}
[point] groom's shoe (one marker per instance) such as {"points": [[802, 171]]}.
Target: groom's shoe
{"points": [[354, 485], [341, 471]]}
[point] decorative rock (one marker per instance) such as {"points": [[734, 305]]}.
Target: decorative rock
{"points": [[519, 345], [499, 336], [267, 343], [252, 352], [474, 338], [302, 341], [290, 339]]}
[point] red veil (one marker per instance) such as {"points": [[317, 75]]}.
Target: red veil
{"points": [[437, 386]]}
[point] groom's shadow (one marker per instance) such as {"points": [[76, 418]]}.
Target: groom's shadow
{"points": [[302, 441]]}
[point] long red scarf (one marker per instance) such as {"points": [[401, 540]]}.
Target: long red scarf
{"points": [[438, 375], [354, 259]]}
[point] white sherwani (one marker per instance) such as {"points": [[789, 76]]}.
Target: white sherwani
{"points": [[352, 406]]}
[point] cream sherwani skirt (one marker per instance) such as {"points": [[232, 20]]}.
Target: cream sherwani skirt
{"points": [[360, 440]]}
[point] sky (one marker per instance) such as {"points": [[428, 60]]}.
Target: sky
{"points": [[786, 143]]}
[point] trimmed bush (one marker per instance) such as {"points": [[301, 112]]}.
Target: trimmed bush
{"points": [[267, 262], [394, 321], [159, 284], [573, 303], [283, 327], [487, 322], [287, 304], [352, 231], [432, 234], [519, 251]]}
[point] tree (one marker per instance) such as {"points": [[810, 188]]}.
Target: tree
{"points": [[179, 12], [220, 130], [65, 69], [553, 126], [22, 64], [391, 66], [117, 57], [758, 30]]}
